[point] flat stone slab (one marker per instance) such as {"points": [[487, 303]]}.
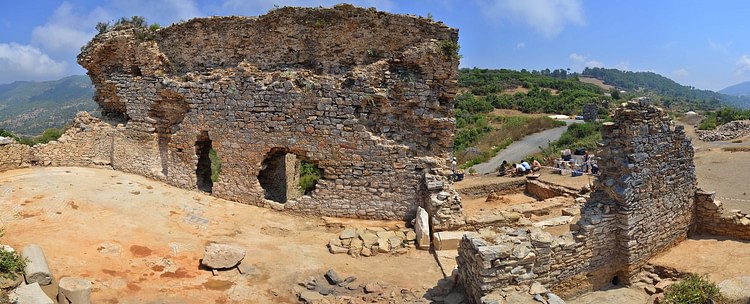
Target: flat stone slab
{"points": [[556, 221], [447, 240]]}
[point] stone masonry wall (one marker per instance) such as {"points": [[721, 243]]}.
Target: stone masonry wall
{"points": [[642, 204], [713, 219], [366, 96], [649, 176]]}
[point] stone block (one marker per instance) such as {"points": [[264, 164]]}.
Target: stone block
{"points": [[422, 229], [447, 240], [31, 294], [222, 255], [73, 290], [36, 270]]}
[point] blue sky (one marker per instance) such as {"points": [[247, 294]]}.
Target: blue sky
{"points": [[695, 42]]}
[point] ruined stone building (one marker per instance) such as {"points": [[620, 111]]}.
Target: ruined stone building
{"points": [[645, 201], [364, 96]]}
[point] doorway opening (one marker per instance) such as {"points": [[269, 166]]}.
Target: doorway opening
{"points": [[284, 176], [203, 169]]}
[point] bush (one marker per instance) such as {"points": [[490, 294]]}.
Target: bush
{"points": [[11, 264], [309, 174], [693, 289], [215, 165]]}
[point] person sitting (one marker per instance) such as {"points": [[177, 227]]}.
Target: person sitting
{"points": [[501, 171], [536, 166]]}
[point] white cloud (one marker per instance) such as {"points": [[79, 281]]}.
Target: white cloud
{"points": [[548, 17], [681, 72], [584, 61], [520, 45], [623, 65], [66, 31], [577, 58], [743, 64], [25, 62], [718, 46]]}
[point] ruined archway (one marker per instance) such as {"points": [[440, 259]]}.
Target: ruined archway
{"points": [[203, 146], [281, 173]]}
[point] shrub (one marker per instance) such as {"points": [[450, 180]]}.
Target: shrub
{"points": [[215, 165], [693, 289], [11, 264], [309, 174]]}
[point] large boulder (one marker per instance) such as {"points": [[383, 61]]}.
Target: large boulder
{"points": [[222, 256]]}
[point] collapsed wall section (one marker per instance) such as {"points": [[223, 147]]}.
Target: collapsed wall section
{"points": [[642, 203], [365, 96]]}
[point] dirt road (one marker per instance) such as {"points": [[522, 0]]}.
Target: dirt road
{"points": [[140, 241]]}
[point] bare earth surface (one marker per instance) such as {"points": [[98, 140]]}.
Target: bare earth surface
{"points": [[727, 173], [140, 241], [720, 258]]}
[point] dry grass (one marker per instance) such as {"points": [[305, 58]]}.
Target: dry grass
{"points": [[595, 81], [736, 149]]}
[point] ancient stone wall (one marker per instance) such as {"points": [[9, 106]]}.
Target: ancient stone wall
{"points": [[642, 204], [713, 219], [15, 156], [365, 96]]}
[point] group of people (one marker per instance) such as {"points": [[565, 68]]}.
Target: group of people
{"points": [[521, 168]]}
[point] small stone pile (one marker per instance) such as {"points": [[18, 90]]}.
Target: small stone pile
{"points": [[534, 293], [373, 240], [655, 281], [727, 131], [333, 288]]}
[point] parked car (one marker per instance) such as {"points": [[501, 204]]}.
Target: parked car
{"points": [[579, 117]]}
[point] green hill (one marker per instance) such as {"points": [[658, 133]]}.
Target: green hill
{"points": [[29, 107], [668, 90], [740, 89]]}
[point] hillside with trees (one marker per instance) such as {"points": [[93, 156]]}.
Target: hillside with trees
{"points": [[669, 92], [28, 108], [528, 91]]}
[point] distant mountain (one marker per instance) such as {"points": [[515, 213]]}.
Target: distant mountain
{"points": [[638, 81], [740, 89], [30, 107]]}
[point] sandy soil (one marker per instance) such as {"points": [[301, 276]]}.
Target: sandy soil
{"points": [[720, 258], [725, 172], [140, 241]]}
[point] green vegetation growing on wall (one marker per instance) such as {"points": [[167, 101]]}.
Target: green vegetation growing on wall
{"points": [[309, 174], [215, 165]]}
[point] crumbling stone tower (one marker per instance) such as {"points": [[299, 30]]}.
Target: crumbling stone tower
{"points": [[365, 96], [642, 204]]}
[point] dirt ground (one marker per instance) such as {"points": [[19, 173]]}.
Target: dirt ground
{"points": [[720, 258], [140, 241], [722, 171]]}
